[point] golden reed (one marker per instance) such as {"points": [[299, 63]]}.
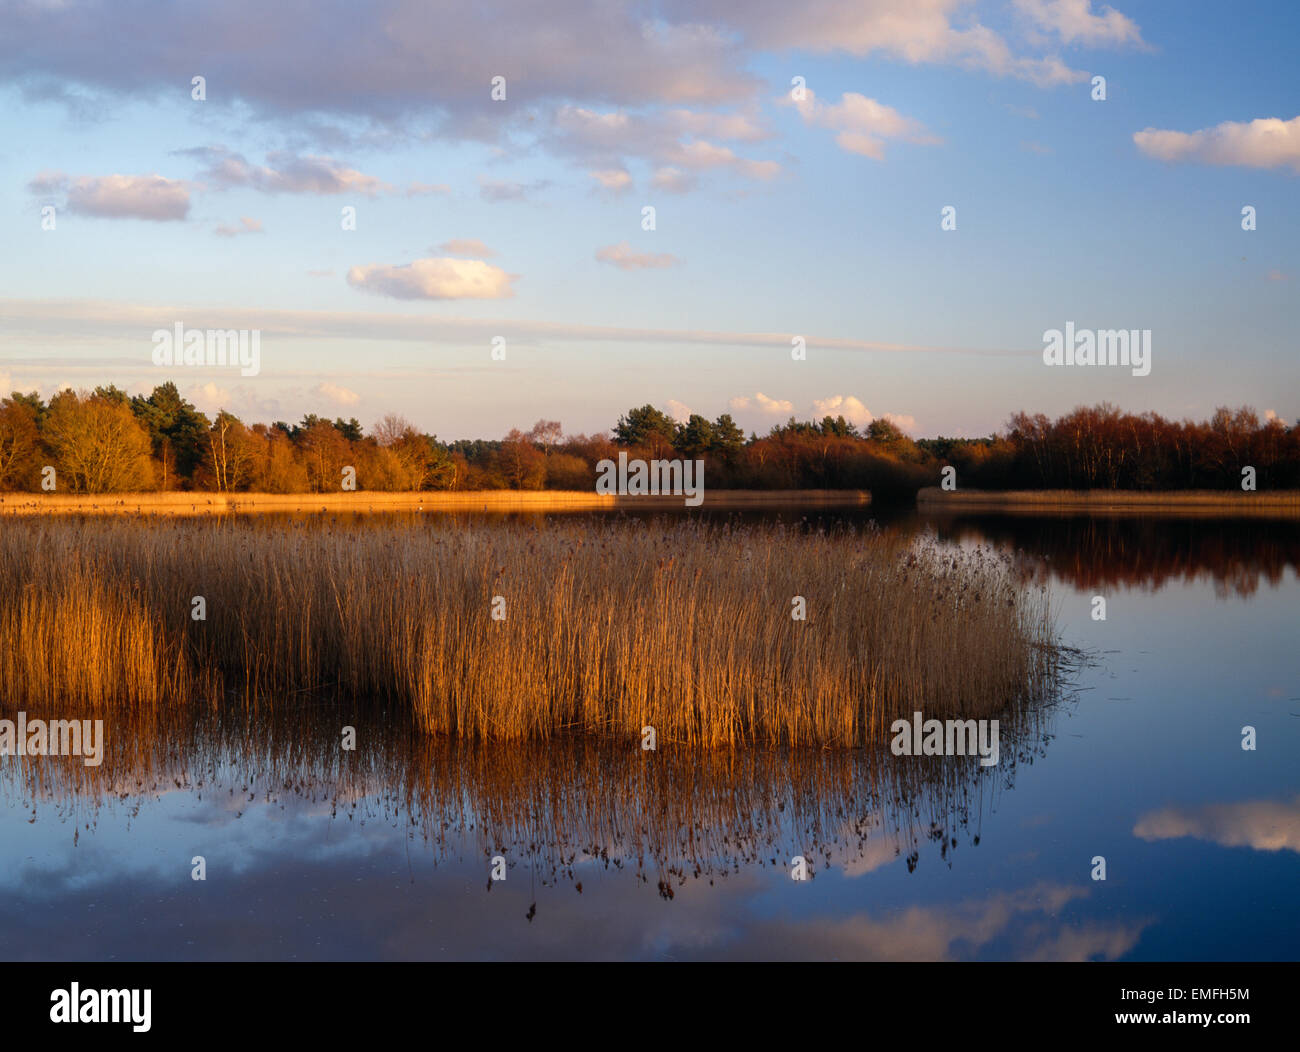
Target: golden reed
{"points": [[608, 627]]}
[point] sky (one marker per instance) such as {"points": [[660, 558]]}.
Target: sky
{"points": [[498, 160]]}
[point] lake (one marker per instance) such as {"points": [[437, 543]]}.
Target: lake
{"points": [[388, 851]]}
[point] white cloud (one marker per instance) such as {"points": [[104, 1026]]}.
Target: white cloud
{"points": [[434, 279], [855, 411], [208, 397], [846, 406], [1266, 142], [622, 256], [863, 123], [1075, 23], [772, 405], [336, 395], [424, 189], [679, 411]]}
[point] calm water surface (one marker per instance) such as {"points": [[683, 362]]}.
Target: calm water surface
{"points": [[313, 853]]}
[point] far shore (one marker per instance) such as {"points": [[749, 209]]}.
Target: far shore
{"points": [[203, 503], [1282, 503]]}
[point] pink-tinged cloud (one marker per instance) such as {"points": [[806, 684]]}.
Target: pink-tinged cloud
{"points": [[915, 31], [336, 395], [285, 173], [151, 197], [855, 411], [1266, 142], [672, 180], [622, 256], [434, 279], [1265, 825], [1075, 22], [672, 140], [863, 124], [615, 180], [247, 225]]}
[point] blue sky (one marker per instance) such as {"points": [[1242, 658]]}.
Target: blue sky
{"points": [[773, 218]]}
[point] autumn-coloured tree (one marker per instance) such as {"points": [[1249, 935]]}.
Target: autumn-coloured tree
{"points": [[20, 444], [97, 444]]}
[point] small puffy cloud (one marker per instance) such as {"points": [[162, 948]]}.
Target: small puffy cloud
{"points": [[209, 397], [320, 273], [772, 405], [285, 173], [679, 411], [701, 154], [672, 180], [863, 124], [424, 189], [852, 409], [150, 197], [466, 246], [434, 279], [247, 225], [1277, 275], [762, 403], [1075, 22], [622, 256], [903, 421], [615, 180], [855, 411], [1266, 142], [336, 395]]}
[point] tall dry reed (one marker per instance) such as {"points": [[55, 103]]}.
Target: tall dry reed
{"points": [[609, 627]]}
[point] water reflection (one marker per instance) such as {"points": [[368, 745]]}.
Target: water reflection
{"points": [[1096, 553], [669, 815], [1264, 825]]}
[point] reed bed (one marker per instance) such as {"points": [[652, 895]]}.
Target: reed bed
{"points": [[609, 627], [202, 502]]}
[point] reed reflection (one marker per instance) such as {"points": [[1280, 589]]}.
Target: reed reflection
{"points": [[668, 816]]}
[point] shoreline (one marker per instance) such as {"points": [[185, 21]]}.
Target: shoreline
{"points": [[1282, 503], [203, 503]]}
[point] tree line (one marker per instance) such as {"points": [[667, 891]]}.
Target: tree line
{"points": [[106, 441]]}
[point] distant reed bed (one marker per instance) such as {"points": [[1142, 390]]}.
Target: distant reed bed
{"points": [[1217, 502], [608, 627]]}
